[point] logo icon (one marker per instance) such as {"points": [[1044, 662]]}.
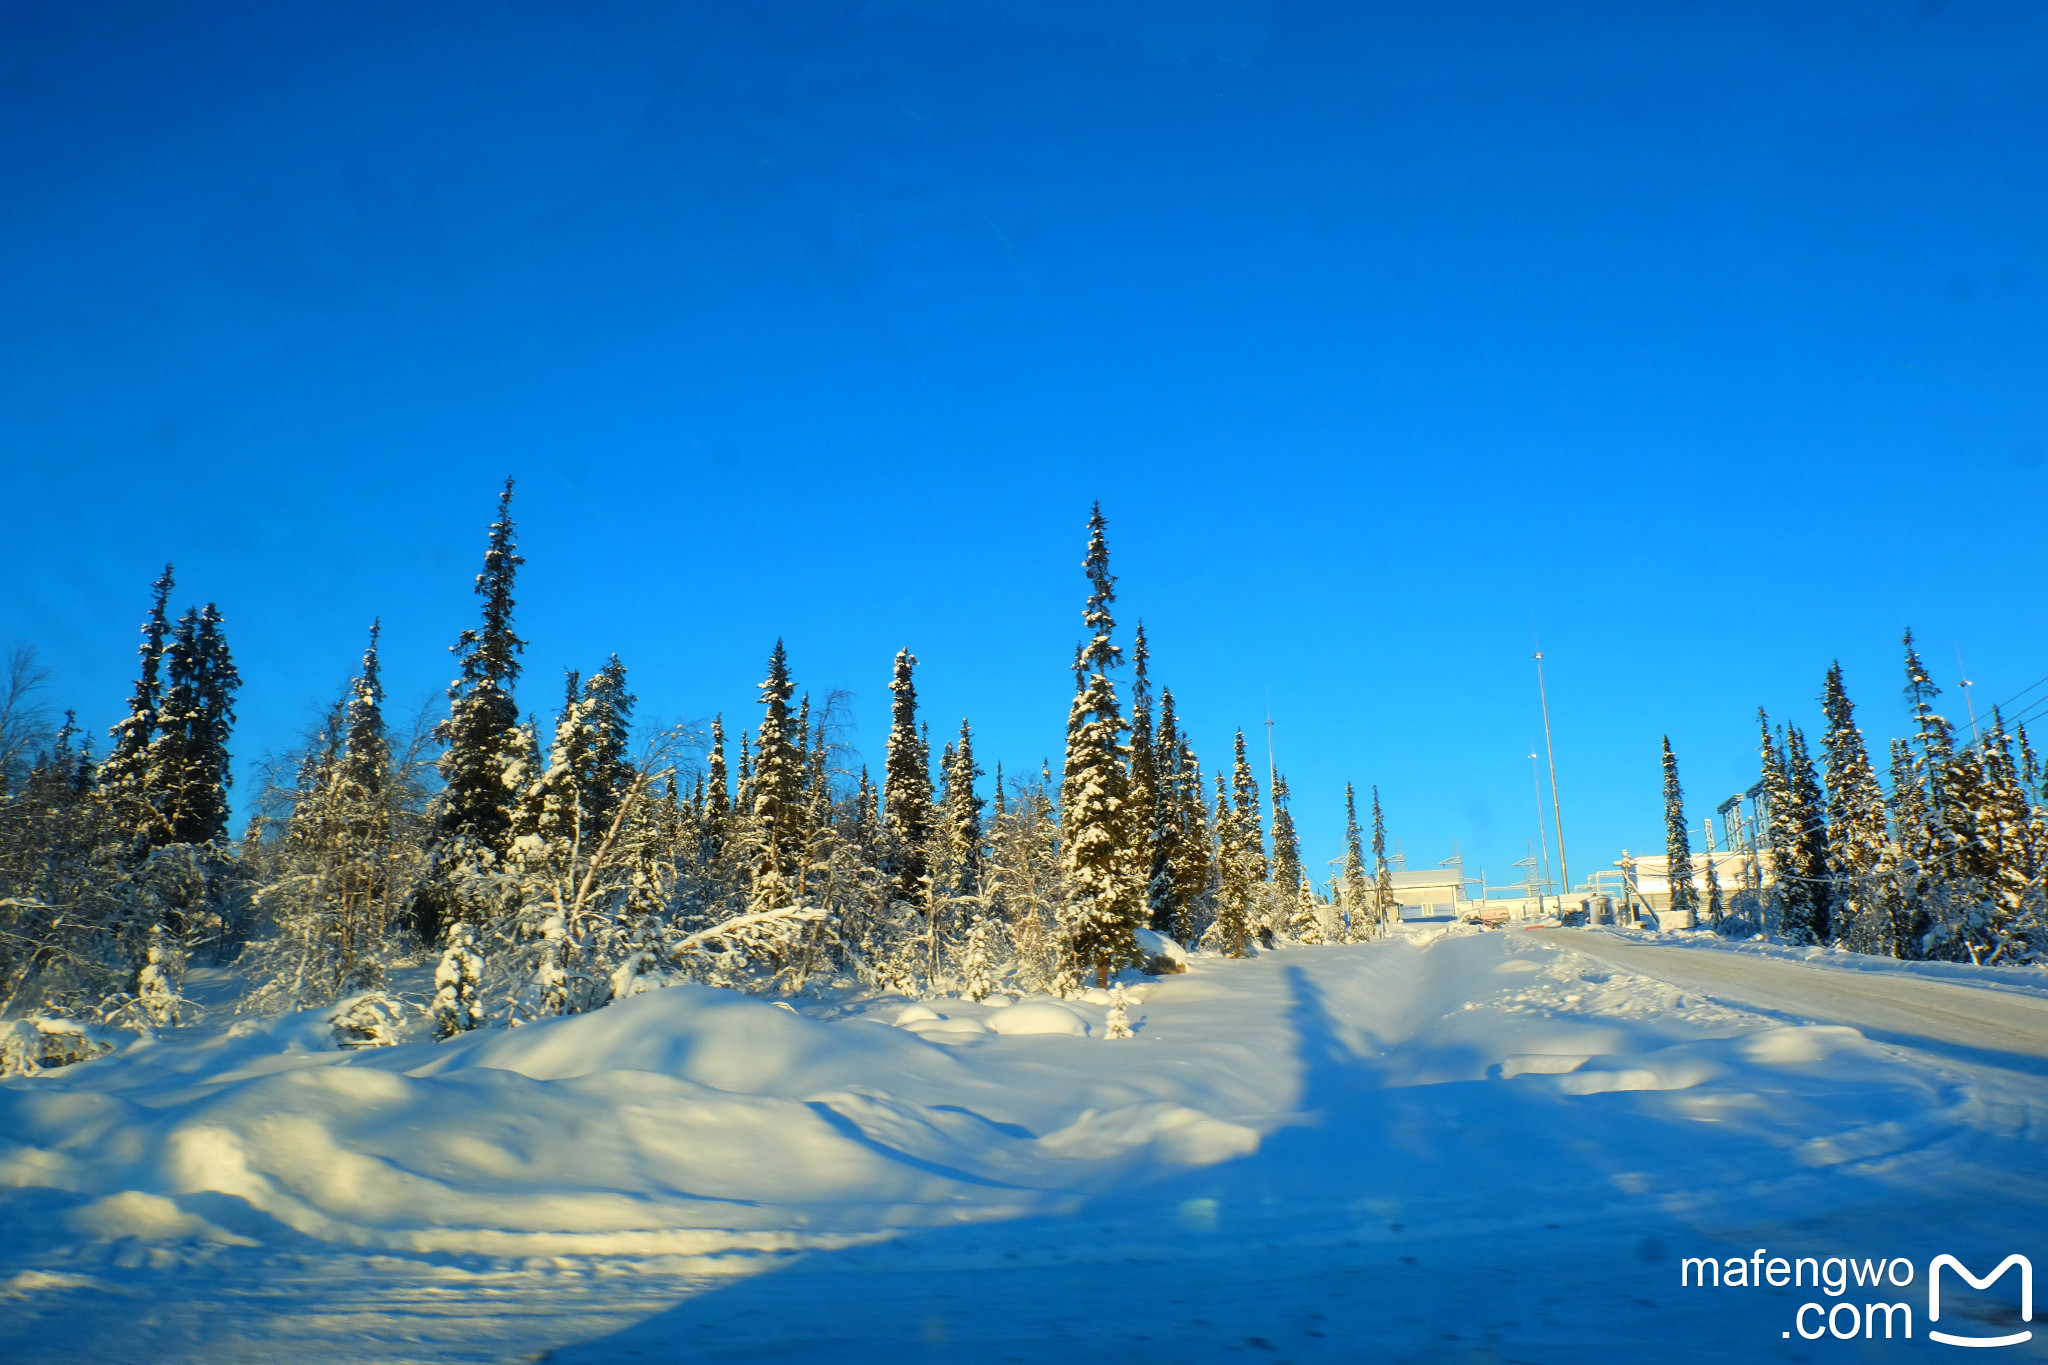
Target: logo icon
{"points": [[2026, 1298]]}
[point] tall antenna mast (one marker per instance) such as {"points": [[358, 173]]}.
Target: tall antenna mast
{"points": [[1542, 835], [1564, 867]]}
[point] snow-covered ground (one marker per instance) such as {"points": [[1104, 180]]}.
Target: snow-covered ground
{"points": [[1451, 1146]]}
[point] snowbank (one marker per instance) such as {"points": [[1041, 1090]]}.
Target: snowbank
{"points": [[1424, 1086]]}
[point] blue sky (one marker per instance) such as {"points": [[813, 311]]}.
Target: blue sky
{"points": [[1705, 339]]}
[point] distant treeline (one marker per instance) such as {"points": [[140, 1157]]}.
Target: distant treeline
{"points": [[1948, 864], [555, 881]]}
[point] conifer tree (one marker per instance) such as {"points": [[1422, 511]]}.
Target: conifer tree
{"points": [[867, 820], [1142, 819], [743, 785], [366, 762], [1359, 920], [1103, 891], [458, 984], [610, 718], [1811, 821], [1308, 915], [1904, 882], [127, 776], [1677, 843], [2005, 836], [906, 788], [588, 774], [1193, 864], [1236, 878], [1798, 849], [1383, 884], [1716, 909], [1934, 746], [717, 787], [1855, 808], [1244, 789], [959, 834], [485, 747], [1167, 778], [777, 788], [1286, 846], [189, 758], [363, 780]]}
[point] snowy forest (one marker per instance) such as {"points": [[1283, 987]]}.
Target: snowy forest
{"points": [[1949, 865], [550, 873]]}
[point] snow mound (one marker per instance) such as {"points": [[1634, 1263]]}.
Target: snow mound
{"points": [[1038, 1017]]}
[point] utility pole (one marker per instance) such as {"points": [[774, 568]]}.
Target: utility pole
{"points": [[1564, 867], [1542, 835]]}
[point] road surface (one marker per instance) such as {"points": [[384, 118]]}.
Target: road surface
{"points": [[1894, 1007]]}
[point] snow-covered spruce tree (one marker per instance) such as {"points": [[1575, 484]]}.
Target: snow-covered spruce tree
{"points": [[906, 787], [187, 878], [1244, 792], [1118, 1023], [1193, 864], [458, 983], [592, 899], [1286, 845], [1685, 901], [1810, 816], [866, 830], [1792, 838], [1903, 884], [957, 842], [1237, 884], [1308, 915], [365, 769], [743, 782], [954, 865], [1779, 834], [717, 784], [128, 780], [1166, 779], [1933, 748], [1716, 909], [156, 984], [2012, 825], [1855, 819], [609, 715], [777, 790], [1991, 860], [1103, 890], [483, 763], [1383, 884], [1142, 819], [1359, 924], [576, 796], [196, 719], [365, 801]]}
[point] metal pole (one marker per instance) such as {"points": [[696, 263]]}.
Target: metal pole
{"points": [[1542, 835], [1564, 867]]}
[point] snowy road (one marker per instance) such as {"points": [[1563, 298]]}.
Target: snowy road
{"points": [[1892, 1007], [1485, 1147]]}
